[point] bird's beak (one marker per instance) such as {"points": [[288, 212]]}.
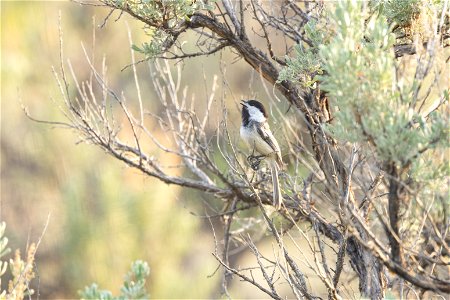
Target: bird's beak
{"points": [[243, 103]]}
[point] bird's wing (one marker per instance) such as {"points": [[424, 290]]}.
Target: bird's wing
{"points": [[265, 133]]}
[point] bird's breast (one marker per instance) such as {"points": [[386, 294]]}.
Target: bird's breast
{"points": [[253, 140]]}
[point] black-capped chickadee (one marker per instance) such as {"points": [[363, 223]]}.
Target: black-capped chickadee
{"points": [[256, 133]]}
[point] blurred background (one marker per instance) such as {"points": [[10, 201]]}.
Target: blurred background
{"points": [[101, 214]]}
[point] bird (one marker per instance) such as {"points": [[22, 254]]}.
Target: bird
{"points": [[255, 132]]}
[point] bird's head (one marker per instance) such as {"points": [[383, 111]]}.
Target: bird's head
{"points": [[253, 110]]}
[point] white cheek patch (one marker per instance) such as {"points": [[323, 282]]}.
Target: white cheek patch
{"points": [[255, 114]]}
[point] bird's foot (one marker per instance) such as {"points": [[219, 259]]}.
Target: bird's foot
{"points": [[254, 161]]}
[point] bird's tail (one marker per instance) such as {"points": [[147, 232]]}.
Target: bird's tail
{"points": [[277, 198]]}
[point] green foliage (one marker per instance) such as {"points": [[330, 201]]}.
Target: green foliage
{"points": [[92, 292], [168, 13], [156, 45], [432, 170], [162, 18], [306, 62], [301, 68], [373, 104], [133, 285], [399, 11]]}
